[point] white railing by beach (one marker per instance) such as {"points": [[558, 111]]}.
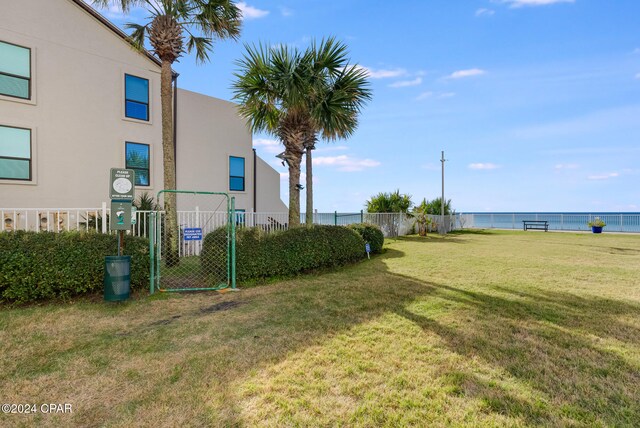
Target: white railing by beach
{"points": [[615, 222], [96, 220]]}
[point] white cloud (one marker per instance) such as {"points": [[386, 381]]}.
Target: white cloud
{"points": [[383, 73], [424, 96], [483, 166], [330, 149], [460, 74], [269, 146], [439, 95], [250, 12], [605, 176], [346, 163], [522, 3], [567, 166], [405, 83], [484, 12], [285, 11]]}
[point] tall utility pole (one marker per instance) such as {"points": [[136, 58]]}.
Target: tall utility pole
{"points": [[442, 226]]}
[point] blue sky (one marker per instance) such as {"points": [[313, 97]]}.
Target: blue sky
{"points": [[536, 103]]}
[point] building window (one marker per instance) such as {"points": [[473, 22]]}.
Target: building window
{"points": [[15, 71], [137, 159], [15, 153], [136, 97], [236, 174]]}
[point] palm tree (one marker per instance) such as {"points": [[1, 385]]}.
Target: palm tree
{"points": [[394, 202], [338, 94], [171, 25], [296, 96]]}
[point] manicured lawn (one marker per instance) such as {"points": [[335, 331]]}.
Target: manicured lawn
{"points": [[476, 329]]}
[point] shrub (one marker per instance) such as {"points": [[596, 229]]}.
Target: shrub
{"points": [[263, 255], [35, 266], [371, 234]]}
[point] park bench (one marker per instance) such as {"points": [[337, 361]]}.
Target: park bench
{"points": [[535, 224]]}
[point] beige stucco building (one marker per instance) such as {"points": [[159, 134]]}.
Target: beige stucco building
{"points": [[77, 100]]}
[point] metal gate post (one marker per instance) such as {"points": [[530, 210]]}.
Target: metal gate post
{"points": [[233, 243], [152, 244]]}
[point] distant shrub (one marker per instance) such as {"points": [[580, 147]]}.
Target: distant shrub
{"points": [[371, 234], [263, 255], [44, 265]]}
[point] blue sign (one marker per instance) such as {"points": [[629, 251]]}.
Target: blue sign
{"points": [[367, 247], [193, 234]]}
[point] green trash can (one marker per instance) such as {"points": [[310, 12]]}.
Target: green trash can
{"points": [[117, 278]]}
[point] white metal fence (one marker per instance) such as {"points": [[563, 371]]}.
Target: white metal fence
{"points": [[392, 224], [97, 220], [616, 222]]}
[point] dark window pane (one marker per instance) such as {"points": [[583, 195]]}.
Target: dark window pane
{"points": [[14, 169], [136, 89], [137, 155], [236, 166], [14, 86], [137, 158], [236, 183], [142, 177], [136, 110]]}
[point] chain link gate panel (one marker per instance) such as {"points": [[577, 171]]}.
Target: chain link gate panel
{"points": [[193, 250]]}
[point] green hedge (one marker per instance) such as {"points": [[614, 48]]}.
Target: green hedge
{"points": [[371, 234], [35, 266], [263, 255]]}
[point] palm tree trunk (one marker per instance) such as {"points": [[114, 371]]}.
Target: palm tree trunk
{"points": [[171, 235], [295, 160], [309, 213]]}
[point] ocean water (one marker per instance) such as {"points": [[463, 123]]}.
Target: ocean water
{"points": [[616, 221]]}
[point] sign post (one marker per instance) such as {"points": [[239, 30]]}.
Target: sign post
{"points": [[121, 193]]}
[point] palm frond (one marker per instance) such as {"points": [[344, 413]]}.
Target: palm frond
{"points": [[124, 5], [137, 36], [216, 18], [202, 46]]}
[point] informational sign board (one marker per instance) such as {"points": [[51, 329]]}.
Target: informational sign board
{"points": [[367, 248], [121, 184], [192, 234], [120, 218]]}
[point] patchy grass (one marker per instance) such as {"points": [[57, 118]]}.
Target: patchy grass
{"points": [[475, 329]]}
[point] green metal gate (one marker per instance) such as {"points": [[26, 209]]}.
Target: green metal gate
{"points": [[197, 251]]}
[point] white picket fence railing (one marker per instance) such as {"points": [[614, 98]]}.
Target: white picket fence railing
{"points": [[91, 219], [96, 219]]}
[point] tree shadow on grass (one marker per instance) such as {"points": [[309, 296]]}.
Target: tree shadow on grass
{"points": [[572, 351], [547, 340], [472, 232], [432, 239]]}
